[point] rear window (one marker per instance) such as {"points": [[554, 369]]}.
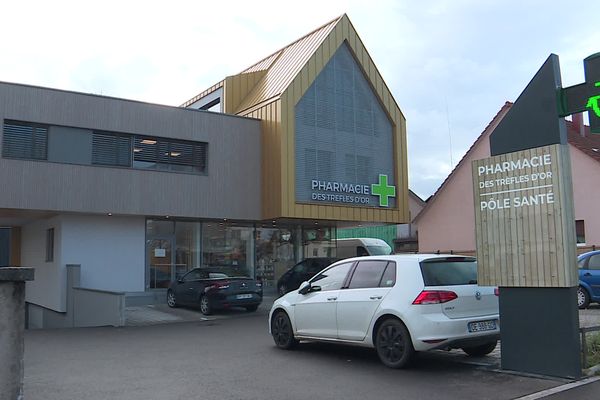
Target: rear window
{"points": [[449, 271]]}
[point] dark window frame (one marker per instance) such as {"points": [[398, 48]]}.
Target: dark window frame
{"points": [[37, 150], [50, 245]]}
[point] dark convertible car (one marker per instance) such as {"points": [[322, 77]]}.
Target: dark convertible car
{"points": [[215, 289]]}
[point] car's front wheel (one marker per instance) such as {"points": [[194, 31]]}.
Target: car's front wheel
{"points": [[205, 306], [481, 350], [252, 308], [583, 298], [171, 300], [393, 344], [281, 329]]}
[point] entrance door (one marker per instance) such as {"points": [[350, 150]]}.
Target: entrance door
{"points": [[160, 262]]}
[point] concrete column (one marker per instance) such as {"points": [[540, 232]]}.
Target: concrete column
{"points": [[12, 329]]}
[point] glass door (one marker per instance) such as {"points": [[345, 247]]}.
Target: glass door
{"points": [[160, 262]]}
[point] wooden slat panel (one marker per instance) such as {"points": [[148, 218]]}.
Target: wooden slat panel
{"points": [[525, 229]]}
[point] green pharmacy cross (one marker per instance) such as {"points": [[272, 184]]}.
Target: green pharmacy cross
{"points": [[593, 102], [383, 190], [585, 96]]}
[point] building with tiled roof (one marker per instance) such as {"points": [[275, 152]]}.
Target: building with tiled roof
{"points": [[447, 223]]}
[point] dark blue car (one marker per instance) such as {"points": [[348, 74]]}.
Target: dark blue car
{"points": [[589, 278]]}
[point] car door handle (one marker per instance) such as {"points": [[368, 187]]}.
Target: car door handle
{"points": [[587, 274], [375, 297], [331, 298]]}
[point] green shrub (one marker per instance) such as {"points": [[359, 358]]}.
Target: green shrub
{"points": [[593, 349]]}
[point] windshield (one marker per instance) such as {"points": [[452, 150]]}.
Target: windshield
{"points": [[449, 271], [379, 250]]}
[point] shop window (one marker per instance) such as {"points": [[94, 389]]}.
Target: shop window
{"points": [[580, 231]]}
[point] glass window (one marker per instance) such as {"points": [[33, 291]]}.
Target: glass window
{"points": [[159, 227], [389, 276], [367, 274], [594, 262], [187, 246], [580, 231], [168, 154], [275, 253], [227, 249], [25, 140], [449, 271], [332, 278], [50, 245], [111, 149], [194, 275]]}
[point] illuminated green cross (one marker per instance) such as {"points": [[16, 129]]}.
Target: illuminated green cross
{"points": [[593, 102], [585, 96], [383, 190]]}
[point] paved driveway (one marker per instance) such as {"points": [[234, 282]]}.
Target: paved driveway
{"points": [[233, 357]]}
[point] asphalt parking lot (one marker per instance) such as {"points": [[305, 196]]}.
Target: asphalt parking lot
{"points": [[231, 356]]}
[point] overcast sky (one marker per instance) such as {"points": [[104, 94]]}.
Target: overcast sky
{"points": [[450, 65]]}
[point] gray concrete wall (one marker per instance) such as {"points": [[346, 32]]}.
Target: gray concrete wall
{"points": [[231, 189], [85, 307], [12, 326]]}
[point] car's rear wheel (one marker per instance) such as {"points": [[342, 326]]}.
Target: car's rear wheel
{"points": [[252, 308], [205, 306], [281, 329], [393, 344], [171, 300], [481, 350], [583, 298]]}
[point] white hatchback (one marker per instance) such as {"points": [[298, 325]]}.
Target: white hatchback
{"points": [[397, 304]]}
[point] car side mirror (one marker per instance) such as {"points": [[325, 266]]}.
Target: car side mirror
{"points": [[306, 288]]}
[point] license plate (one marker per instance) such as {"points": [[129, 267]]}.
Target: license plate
{"points": [[243, 296], [481, 326]]}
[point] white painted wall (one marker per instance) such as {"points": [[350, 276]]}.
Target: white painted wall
{"points": [[48, 289], [110, 250]]}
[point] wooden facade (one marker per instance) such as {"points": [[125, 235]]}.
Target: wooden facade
{"points": [[524, 219], [270, 90]]}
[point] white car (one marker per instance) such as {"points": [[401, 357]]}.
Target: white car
{"points": [[397, 304]]}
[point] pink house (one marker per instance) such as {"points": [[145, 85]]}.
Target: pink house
{"points": [[447, 223]]}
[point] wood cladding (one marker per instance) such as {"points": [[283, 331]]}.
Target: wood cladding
{"points": [[273, 98], [524, 219]]}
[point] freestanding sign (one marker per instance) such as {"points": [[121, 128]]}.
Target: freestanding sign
{"points": [[523, 219], [526, 234]]}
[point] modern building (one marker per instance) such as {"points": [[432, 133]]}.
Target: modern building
{"points": [[111, 199], [447, 223]]}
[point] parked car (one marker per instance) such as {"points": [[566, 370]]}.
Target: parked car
{"points": [[356, 247], [396, 304], [303, 271], [589, 278], [214, 289]]}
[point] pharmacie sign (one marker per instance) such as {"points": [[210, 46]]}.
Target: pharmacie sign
{"points": [[357, 194], [524, 219]]}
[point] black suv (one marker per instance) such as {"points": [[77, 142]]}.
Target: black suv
{"points": [[301, 272]]}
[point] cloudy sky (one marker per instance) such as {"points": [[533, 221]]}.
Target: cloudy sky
{"points": [[450, 65]]}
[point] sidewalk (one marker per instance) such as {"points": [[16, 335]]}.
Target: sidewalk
{"points": [[161, 313]]}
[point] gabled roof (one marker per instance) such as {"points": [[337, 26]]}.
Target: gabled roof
{"points": [[284, 65], [486, 132], [280, 68], [589, 144]]}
